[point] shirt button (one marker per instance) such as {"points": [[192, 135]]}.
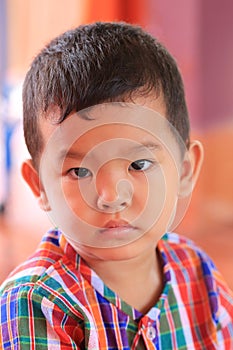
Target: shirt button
{"points": [[151, 333]]}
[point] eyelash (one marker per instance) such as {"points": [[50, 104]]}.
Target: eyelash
{"points": [[74, 172], [134, 166], [137, 166]]}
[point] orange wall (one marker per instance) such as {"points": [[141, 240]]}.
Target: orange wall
{"points": [[32, 23]]}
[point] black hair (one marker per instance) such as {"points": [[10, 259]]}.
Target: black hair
{"points": [[97, 63]]}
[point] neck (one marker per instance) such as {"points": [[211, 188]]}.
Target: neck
{"points": [[137, 281]]}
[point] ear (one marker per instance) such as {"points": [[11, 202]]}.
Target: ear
{"points": [[31, 176], [191, 167]]}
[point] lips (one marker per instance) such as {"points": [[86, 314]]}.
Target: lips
{"points": [[118, 228], [116, 224]]}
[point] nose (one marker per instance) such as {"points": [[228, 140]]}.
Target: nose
{"points": [[113, 188]]}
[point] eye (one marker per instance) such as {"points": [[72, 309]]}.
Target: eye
{"points": [[80, 173], [141, 165]]}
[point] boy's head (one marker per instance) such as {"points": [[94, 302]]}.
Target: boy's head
{"points": [[98, 63], [112, 171]]}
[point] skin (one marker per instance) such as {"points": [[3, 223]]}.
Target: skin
{"points": [[107, 180]]}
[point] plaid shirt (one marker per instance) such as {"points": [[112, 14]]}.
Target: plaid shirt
{"points": [[55, 301]]}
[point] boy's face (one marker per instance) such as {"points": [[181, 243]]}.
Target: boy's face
{"points": [[111, 176]]}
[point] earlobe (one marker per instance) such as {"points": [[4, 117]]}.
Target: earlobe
{"points": [[191, 168], [31, 176]]}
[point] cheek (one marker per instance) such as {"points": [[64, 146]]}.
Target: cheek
{"points": [[78, 201], [161, 188], [141, 189], [156, 194], [168, 192]]}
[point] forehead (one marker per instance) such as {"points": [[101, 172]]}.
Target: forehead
{"points": [[110, 142], [47, 122], [142, 123]]}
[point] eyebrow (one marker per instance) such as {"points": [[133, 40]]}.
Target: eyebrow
{"points": [[64, 154], [71, 154], [149, 145]]}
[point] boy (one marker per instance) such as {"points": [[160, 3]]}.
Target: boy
{"points": [[107, 128]]}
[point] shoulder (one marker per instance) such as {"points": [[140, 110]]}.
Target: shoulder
{"points": [[187, 264], [182, 250], [183, 255], [30, 271], [49, 279], [37, 301]]}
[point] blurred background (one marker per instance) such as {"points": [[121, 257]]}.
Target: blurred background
{"points": [[199, 35]]}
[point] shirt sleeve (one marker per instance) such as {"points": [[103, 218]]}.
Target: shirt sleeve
{"points": [[225, 314], [30, 321], [221, 302]]}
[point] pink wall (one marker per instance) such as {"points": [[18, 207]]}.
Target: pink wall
{"points": [[178, 28], [216, 49], [200, 36]]}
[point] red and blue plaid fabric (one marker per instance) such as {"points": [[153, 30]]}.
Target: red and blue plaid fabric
{"points": [[55, 301]]}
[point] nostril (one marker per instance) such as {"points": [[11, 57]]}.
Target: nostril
{"points": [[112, 206], [124, 204]]}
